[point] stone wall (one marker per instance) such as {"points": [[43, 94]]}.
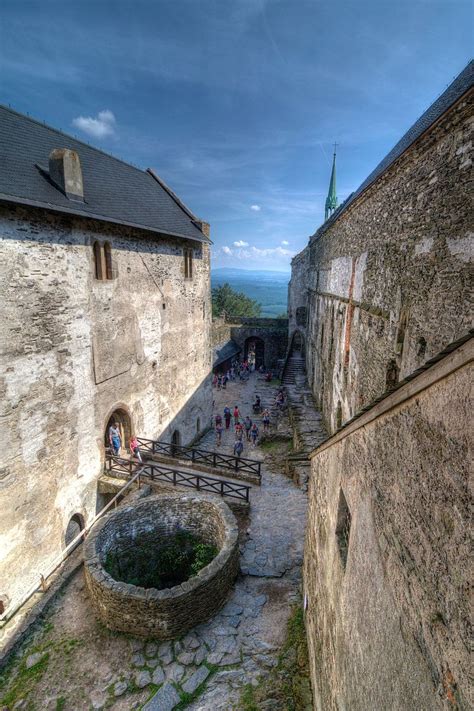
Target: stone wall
{"points": [[74, 349], [273, 333], [169, 613], [298, 294], [387, 615], [389, 278]]}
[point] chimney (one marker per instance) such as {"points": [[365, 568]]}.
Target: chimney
{"points": [[205, 227], [65, 171]]}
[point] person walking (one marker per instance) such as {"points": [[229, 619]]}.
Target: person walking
{"points": [[219, 429], [254, 433], [238, 448], [248, 427], [115, 438], [219, 381], [266, 420], [227, 417], [239, 430], [236, 415], [134, 448], [218, 420]]}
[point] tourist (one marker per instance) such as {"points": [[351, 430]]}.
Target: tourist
{"points": [[218, 420], [248, 427], [115, 438], [239, 430], [227, 417], [219, 381], [224, 381], [219, 429], [134, 449], [238, 448], [254, 433], [266, 420], [214, 381], [280, 399], [236, 414]]}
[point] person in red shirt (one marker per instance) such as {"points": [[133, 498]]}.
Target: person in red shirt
{"points": [[236, 415]]}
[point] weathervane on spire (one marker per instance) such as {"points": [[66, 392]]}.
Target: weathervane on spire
{"points": [[331, 200]]}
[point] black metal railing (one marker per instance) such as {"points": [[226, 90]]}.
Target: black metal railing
{"points": [[168, 475], [202, 456]]}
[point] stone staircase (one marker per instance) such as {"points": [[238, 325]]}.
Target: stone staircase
{"points": [[295, 370]]}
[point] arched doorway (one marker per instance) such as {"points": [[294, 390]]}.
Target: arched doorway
{"points": [[122, 418], [175, 442], [254, 351], [297, 344], [75, 526]]}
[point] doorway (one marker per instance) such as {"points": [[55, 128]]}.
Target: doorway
{"points": [[175, 442], [254, 352], [122, 418]]}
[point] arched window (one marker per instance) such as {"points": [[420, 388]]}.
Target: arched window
{"points": [[391, 374], [198, 425], [108, 261], [99, 271], [343, 528]]}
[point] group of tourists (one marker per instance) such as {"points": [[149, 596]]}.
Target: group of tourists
{"points": [[245, 429], [238, 370]]}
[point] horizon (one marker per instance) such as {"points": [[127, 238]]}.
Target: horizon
{"points": [[235, 105]]}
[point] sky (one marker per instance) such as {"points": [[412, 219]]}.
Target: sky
{"points": [[237, 103]]}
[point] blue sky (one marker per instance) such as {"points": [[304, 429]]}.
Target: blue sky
{"points": [[236, 103]]}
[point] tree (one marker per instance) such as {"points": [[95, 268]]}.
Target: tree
{"points": [[233, 303]]}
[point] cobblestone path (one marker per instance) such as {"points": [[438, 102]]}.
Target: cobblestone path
{"points": [[244, 638]]}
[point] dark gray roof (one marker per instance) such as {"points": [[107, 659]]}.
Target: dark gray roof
{"points": [[114, 191], [463, 82], [225, 351]]}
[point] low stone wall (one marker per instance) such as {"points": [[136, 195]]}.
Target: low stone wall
{"points": [[162, 614]]}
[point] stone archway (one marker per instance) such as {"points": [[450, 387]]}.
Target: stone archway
{"points": [[75, 526], [297, 344], [175, 441], [254, 351], [121, 416]]}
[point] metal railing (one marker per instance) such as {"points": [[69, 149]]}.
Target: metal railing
{"points": [[169, 475], [202, 456]]}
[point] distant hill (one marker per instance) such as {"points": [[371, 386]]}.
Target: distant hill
{"points": [[270, 288]]}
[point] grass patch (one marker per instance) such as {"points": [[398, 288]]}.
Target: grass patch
{"points": [[25, 680], [60, 703]]}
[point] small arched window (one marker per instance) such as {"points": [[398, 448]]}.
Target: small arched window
{"points": [[198, 425]]}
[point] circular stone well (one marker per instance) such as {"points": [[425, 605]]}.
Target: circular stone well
{"points": [[151, 522]]}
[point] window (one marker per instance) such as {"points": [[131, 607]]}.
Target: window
{"points": [[198, 425], [343, 528], [108, 260], [188, 263], [103, 262], [391, 375]]}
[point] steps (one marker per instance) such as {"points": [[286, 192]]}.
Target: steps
{"points": [[294, 370]]}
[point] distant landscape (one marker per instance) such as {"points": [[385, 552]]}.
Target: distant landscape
{"points": [[269, 288]]}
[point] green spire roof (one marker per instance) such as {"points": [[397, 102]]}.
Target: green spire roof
{"points": [[331, 200]]}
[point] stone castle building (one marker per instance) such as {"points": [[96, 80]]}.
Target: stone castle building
{"points": [[105, 298], [380, 302]]}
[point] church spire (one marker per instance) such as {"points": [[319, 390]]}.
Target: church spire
{"points": [[331, 200]]}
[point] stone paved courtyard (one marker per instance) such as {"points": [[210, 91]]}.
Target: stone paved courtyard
{"points": [[216, 659]]}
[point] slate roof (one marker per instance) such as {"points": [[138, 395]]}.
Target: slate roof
{"points": [[463, 82], [225, 351], [114, 191]]}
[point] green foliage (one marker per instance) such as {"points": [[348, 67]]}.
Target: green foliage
{"points": [[150, 566], [60, 703], [25, 680], [233, 303]]}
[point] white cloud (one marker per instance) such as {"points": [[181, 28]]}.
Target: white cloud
{"points": [[100, 127], [255, 208], [257, 253], [241, 243], [285, 243], [227, 250]]}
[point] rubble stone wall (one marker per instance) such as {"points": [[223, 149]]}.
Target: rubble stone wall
{"points": [[390, 278], [73, 350], [389, 629], [169, 613]]}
